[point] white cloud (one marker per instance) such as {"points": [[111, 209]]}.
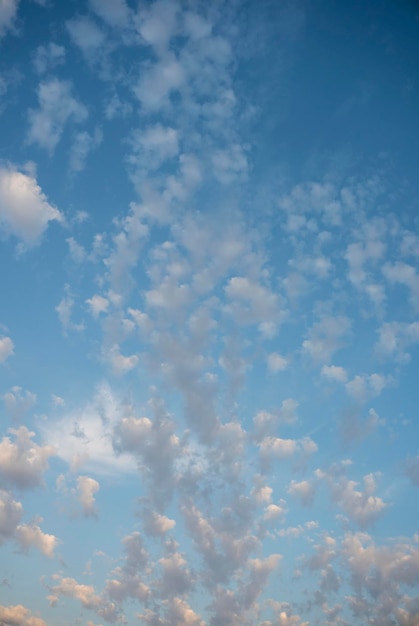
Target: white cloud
{"points": [[158, 23], [8, 12], [404, 274], [10, 515], [18, 615], [304, 490], [97, 304], [24, 209], [17, 402], [47, 58], [23, 462], [325, 337], [70, 588], [362, 507], [86, 35], [64, 311], [86, 489], [334, 372], [158, 82], [153, 146], [57, 106], [83, 144], [83, 437], [230, 164], [6, 348], [114, 12], [31, 536], [276, 362], [365, 386]]}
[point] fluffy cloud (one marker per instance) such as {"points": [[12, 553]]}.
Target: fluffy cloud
{"points": [[23, 462], [24, 209], [86, 35], [362, 507], [8, 11], [17, 402], [325, 338], [19, 616], [46, 58], [6, 348], [114, 12], [57, 106], [30, 535], [10, 515], [86, 489]]}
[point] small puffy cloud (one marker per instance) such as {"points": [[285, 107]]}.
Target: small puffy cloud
{"points": [[31, 536], [8, 11], [83, 144], [157, 23], [6, 348], [11, 513], [17, 402], [158, 82], [86, 489], [303, 490], [46, 58], [70, 588], [64, 310], [335, 373], [230, 165], [365, 386], [57, 106], [86, 35], [23, 462], [114, 12], [276, 362], [24, 209], [18, 615], [97, 305], [155, 524], [325, 338], [362, 507], [412, 470], [154, 145], [84, 436]]}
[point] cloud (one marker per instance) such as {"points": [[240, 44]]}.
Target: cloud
{"points": [[83, 144], [412, 470], [83, 436], [86, 489], [115, 12], [8, 12], [57, 107], [6, 348], [23, 462], [304, 490], [18, 615], [86, 35], [64, 310], [25, 211], [335, 373], [47, 58], [362, 507], [97, 305], [18, 402], [30, 535], [276, 362], [70, 588], [324, 338], [10, 515]]}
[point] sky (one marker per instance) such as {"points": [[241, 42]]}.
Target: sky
{"points": [[209, 313]]}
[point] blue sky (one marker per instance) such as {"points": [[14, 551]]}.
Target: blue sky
{"points": [[209, 320]]}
